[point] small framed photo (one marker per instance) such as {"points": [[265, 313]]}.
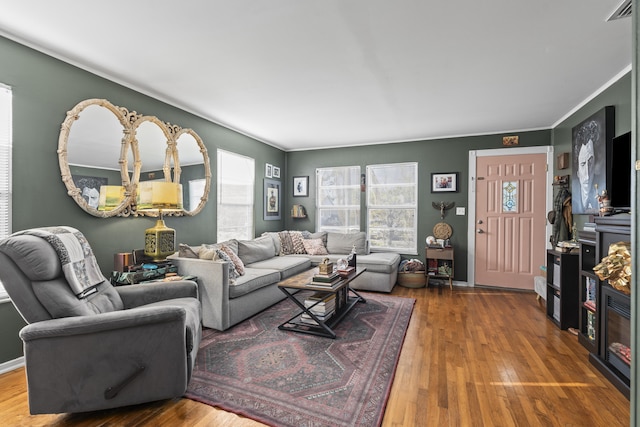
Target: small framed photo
{"points": [[276, 172], [272, 200], [300, 186], [268, 170], [444, 182]]}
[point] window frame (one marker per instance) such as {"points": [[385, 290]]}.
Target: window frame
{"points": [[221, 206], [350, 210], [412, 246]]}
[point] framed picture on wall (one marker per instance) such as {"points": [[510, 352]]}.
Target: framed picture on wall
{"points": [[272, 200], [276, 172], [268, 170], [589, 140], [444, 182], [300, 186], [89, 187]]}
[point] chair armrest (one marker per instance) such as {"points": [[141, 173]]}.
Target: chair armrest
{"points": [[120, 358], [213, 287], [147, 293], [115, 320]]}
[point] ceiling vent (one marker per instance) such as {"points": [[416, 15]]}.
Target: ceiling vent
{"points": [[622, 11]]}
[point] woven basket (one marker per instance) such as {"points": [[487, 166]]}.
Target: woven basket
{"points": [[412, 279]]}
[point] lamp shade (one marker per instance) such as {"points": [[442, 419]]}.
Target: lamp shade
{"points": [[110, 197], [157, 195], [159, 240]]}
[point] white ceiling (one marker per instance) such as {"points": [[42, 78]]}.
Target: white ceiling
{"points": [[304, 74]]}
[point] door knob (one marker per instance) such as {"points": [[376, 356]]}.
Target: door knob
{"points": [[480, 231], [479, 221]]}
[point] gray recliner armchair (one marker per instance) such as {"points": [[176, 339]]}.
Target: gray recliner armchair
{"points": [[103, 347]]}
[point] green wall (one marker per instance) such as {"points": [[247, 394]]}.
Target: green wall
{"points": [[442, 155]]}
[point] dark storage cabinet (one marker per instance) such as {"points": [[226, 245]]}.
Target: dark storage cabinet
{"points": [[562, 288], [611, 353], [589, 286]]}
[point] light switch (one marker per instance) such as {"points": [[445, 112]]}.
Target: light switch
{"points": [[460, 211]]}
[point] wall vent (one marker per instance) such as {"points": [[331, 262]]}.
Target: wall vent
{"points": [[622, 11]]}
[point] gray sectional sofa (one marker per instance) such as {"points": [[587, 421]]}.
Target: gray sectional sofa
{"points": [[229, 297]]}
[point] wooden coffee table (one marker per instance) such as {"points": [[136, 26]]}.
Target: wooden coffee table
{"points": [[346, 299]]}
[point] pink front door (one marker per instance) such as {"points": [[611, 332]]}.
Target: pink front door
{"points": [[510, 219]]}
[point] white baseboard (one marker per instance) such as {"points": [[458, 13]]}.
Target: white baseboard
{"points": [[11, 365]]}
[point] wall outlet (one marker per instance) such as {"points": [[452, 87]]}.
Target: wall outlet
{"points": [[460, 211]]}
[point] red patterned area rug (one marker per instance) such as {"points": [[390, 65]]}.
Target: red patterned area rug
{"points": [[285, 378]]}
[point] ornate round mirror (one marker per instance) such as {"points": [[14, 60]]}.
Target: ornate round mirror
{"points": [[152, 141], [194, 170], [93, 153]]}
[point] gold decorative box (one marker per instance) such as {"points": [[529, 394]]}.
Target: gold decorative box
{"points": [[325, 267]]}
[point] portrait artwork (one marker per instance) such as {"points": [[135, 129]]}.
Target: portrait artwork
{"points": [[588, 179]]}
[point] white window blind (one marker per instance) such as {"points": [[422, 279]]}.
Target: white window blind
{"points": [[392, 207], [338, 199], [5, 167], [236, 176]]}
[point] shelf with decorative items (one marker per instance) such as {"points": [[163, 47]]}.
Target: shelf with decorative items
{"points": [[588, 292], [298, 211]]}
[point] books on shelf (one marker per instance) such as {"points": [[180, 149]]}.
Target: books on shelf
{"points": [[322, 305]]}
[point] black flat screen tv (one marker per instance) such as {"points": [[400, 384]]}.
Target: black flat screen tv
{"points": [[619, 168]]}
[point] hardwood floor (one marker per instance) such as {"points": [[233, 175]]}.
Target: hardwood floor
{"points": [[472, 357]]}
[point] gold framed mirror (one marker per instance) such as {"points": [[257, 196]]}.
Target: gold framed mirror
{"points": [[105, 151], [93, 153]]}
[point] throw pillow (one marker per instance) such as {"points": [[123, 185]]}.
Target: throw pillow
{"points": [[207, 252], [314, 247], [237, 262], [286, 244], [222, 255], [186, 251], [297, 239]]}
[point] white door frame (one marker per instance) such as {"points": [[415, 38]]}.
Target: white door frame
{"points": [[471, 226]]}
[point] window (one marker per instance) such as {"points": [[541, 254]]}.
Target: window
{"points": [[392, 207], [236, 175], [196, 190], [5, 167], [338, 199]]}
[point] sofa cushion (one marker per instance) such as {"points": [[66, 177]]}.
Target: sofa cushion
{"points": [[222, 256], [342, 243], [237, 262], [286, 265], [255, 250], [318, 235], [207, 251], [314, 247], [298, 242], [186, 251], [254, 278], [286, 244], [276, 241], [379, 262]]}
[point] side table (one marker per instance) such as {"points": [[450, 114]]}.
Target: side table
{"points": [[439, 264]]}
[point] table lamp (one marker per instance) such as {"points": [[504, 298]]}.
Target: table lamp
{"points": [[159, 240]]}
